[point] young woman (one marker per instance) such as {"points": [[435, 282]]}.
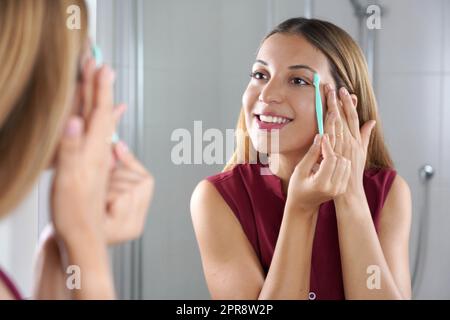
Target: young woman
{"points": [[56, 109], [332, 219]]}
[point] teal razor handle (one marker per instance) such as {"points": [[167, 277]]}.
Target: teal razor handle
{"points": [[319, 109], [98, 56]]}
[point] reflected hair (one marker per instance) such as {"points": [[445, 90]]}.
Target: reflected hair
{"points": [[40, 58]]}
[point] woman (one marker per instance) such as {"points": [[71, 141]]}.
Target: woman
{"points": [[332, 219], [57, 110]]}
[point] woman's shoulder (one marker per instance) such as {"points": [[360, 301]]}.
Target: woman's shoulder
{"points": [[223, 187], [204, 198], [225, 191], [379, 181], [385, 188], [212, 210]]}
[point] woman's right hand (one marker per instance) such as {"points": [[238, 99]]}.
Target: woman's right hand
{"points": [[83, 162], [79, 188], [313, 183]]}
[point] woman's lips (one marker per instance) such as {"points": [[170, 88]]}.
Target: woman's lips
{"points": [[268, 122]]}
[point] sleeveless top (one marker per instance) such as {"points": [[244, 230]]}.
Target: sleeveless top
{"points": [[6, 281], [258, 203]]}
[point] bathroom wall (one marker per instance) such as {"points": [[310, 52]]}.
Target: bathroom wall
{"points": [[413, 91]]}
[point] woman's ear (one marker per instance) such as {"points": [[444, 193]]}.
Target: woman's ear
{"points": [[354, 100]]}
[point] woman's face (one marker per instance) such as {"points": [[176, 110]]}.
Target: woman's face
{"points": [[282, 86]]}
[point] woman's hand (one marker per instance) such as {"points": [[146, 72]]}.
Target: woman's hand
{"points": [[130, 191], [82, 166], [347, 139], [313, 183], [79, 188], [130, 186]]}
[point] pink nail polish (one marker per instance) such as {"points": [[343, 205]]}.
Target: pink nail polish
{"points": [[317, 139], [73, 128], [123, 148]]}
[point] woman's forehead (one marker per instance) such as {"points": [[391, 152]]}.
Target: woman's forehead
{"points": [[285, 50]]}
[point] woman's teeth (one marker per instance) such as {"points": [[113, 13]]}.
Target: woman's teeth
{"points": [[270, 119]]}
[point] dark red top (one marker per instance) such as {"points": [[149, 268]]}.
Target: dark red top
{"points": [[258, 202], [6, 281]]}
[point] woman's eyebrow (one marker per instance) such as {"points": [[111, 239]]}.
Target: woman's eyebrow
{"points": [[262, 62], [294, 67], [302, 66]]}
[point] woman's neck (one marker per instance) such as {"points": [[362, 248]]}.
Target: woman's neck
{"points": [[283, 164]]}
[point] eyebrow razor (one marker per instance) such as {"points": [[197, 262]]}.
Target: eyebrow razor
{"points": [[98, 56], [319, 109]]}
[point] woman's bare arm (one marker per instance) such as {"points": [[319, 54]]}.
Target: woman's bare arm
{"points": [[365, 254], [231, 267]]}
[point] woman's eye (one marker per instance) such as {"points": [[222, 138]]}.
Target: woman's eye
{"points": [[258, 75], [299, 82]]}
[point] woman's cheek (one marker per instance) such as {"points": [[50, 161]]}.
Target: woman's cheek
{"points": [[249, 98], [300, 133], [249, 101]]}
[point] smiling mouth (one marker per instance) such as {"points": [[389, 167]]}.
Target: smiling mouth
{"points": [[271, 122]]}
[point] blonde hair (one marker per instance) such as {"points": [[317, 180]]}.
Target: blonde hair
{"points": [[40, 57], [348, 68]]}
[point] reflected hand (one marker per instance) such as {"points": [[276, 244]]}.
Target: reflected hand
{"points": [[130, 191]]}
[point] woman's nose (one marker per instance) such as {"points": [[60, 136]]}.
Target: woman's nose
{"points": [[271, 93]]}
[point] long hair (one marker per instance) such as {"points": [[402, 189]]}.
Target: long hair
{"points": [[39, 58], [348, 68]]}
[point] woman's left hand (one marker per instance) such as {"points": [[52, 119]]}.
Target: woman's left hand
{"points": [[129, 194], [348, 139]]}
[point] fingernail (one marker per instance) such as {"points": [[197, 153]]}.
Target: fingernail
{"points": [[317, 139], [107, 74], [73, 128], [123, 148], [344, 91]]}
